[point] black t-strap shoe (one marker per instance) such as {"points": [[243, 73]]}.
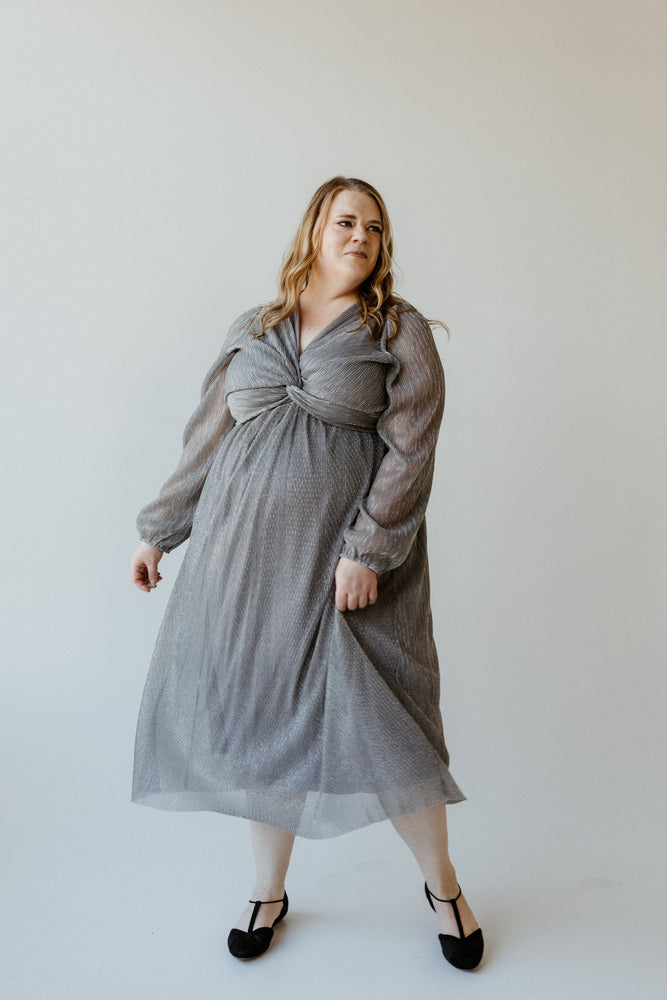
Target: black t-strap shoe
{"points": [[462, 952], [254, 942]]}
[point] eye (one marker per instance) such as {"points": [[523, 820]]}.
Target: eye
{"points": [[348, 222]]}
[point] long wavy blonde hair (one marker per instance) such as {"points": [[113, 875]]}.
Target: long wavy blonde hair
{"points": [[378, 304]]}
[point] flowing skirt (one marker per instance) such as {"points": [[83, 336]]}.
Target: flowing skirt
{"points": [[262, 699]]}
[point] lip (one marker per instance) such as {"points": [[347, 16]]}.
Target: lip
{"points": [[357, 253]]}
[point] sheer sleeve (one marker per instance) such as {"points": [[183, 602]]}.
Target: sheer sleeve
{"points": [[392, 511], [166, 522]]}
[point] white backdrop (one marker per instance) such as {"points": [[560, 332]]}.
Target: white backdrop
{"points": [[157, 158]]}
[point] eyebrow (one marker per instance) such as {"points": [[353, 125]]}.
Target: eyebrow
{"points": [[376, 221]]}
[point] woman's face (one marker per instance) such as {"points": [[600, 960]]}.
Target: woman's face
{"points": [[351, 238]]}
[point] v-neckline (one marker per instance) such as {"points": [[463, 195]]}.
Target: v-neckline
{"points": [[296, 324]]}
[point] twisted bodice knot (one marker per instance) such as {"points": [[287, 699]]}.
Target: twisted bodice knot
{"points": [[344, 388]]}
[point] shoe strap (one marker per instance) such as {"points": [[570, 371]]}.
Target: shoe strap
{"points": [[454, 906], [255, 909], [452, 900]]}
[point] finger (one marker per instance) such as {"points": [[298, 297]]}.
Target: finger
{"points": [[352, 602], [362, 600], [340, 598], [137, 576]]}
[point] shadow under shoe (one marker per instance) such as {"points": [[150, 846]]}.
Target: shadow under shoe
{"points": [[461, 952], [255, 941]]}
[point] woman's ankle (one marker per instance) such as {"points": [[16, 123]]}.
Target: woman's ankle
{"points": [[444, 883], [268, 890]]}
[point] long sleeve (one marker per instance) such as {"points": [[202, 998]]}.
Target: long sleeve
{"points": [[391, 513], [166, 522]]}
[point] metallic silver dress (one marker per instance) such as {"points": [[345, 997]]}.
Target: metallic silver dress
{"points": [[262, 699]]}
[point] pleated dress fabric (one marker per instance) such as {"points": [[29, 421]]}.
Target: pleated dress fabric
{"points": [[262, 700]]}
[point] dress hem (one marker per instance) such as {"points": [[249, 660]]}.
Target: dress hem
{"points": [[372, 813]]}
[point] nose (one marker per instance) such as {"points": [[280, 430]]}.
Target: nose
{"points": [[360, 235]]}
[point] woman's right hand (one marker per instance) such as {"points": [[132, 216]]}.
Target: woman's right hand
{"points": [[144, 571]]}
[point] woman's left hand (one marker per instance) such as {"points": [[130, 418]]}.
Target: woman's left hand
{"points": [[356, 585]]}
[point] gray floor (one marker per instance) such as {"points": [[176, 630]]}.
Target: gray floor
{"points": [[111, 900]]}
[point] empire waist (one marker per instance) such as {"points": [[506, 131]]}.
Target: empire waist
{"points": [[244, 404]]}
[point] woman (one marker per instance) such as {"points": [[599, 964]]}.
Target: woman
{"points": [[295, 679]]}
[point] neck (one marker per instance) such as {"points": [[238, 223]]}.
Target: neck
{"points": [[322, 294]]}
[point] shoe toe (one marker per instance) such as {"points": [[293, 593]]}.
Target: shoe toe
{"points": [[463, 953], [244, 944]]}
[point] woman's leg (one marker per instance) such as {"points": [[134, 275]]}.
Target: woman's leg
{"points": [[425, 833], [272, 849]]}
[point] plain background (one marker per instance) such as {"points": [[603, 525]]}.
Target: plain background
{"points": [[157, 158]]}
